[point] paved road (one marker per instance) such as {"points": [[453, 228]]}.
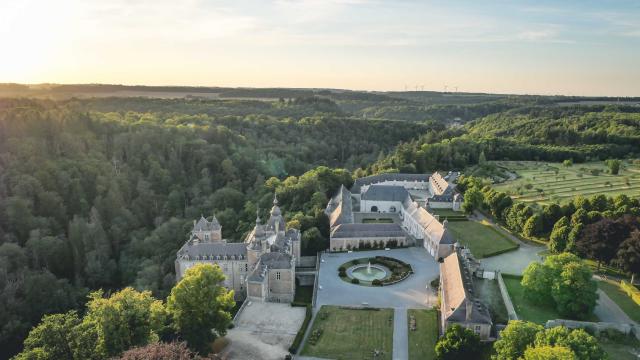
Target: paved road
{"points": [[608, 311], [513, 262], [400, 335]]}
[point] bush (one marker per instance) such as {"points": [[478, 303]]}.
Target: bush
{"points": [[355, 281], [435, 283], [376, 282], [342, 269]]}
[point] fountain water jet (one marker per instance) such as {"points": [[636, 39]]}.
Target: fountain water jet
{"points": [[369, 268]]}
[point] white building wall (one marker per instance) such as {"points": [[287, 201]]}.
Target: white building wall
{"points": [[382, 206], [409, 185], [235, 272]]}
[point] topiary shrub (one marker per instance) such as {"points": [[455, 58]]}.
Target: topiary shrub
{"points": [[355, 281], [342, 268], [376, 282]]}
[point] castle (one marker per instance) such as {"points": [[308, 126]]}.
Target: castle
{"points": [[262, 268], [390, 194]]}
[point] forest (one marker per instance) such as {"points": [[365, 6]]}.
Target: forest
{"points": [[99, 192]]}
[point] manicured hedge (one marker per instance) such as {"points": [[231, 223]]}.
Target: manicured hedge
{"points": [[303, 329], [515, 247]]}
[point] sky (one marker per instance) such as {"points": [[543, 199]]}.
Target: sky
{"points": [[524, 47]]}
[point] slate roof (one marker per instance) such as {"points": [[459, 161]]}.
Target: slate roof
{"points": [[429, 223], [385, 193], [440, 185], [268, 261], [459, 291], [204, 225], [339, 209], [368, 180], [276, 260], [212, 251], [367, 230]]}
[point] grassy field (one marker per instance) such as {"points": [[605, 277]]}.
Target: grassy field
{"points": [[489, 292], [482, 239], [351, 333], [447, 212], [623, 300], [542, 182], [529, 310], [422, 341], [625, 349]]}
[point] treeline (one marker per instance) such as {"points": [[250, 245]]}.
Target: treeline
{"points": [[539, 133], [93, 200], [600, 228], [197, 311]]}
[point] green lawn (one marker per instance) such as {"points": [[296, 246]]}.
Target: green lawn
{"points": [[446, 212], [422, 341], [351, 333], [623, 300], [623, 349], [482, 238], [489, 293], [528, 310]]}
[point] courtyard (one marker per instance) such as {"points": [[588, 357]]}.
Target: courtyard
{"points": [[264, 330], [409, 293]]}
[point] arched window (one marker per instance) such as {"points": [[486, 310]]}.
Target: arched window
{"points": [[392, 209], [374, 209]]}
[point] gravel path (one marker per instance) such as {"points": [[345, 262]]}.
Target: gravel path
{"points": [[608, 311], [400, 335]]}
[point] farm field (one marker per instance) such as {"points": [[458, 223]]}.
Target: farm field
{"points": [[481, 238], [422, 340], [351, 333], [542, 182]]}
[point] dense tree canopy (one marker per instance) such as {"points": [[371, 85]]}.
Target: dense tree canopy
{"points": [[200, 306]]}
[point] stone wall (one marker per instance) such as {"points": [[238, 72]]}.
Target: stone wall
{"points": [[596, 327], [511, 311]]}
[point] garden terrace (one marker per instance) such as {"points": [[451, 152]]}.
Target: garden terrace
{"points": [[351, 333], [481, 238], [423, 334]]}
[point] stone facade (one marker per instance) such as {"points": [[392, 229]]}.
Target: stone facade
{"points": [[261, 268]]}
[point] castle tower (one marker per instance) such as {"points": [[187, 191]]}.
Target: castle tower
{"points": [[276, 220], [207, 231]]}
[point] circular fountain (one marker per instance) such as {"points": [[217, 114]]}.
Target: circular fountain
{"points": [[374, 271], [368, 272]]}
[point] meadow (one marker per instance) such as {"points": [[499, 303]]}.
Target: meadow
{"points": [[543, 182]]}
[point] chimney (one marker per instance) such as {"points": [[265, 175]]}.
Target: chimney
{"points": [[469, 305]]}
